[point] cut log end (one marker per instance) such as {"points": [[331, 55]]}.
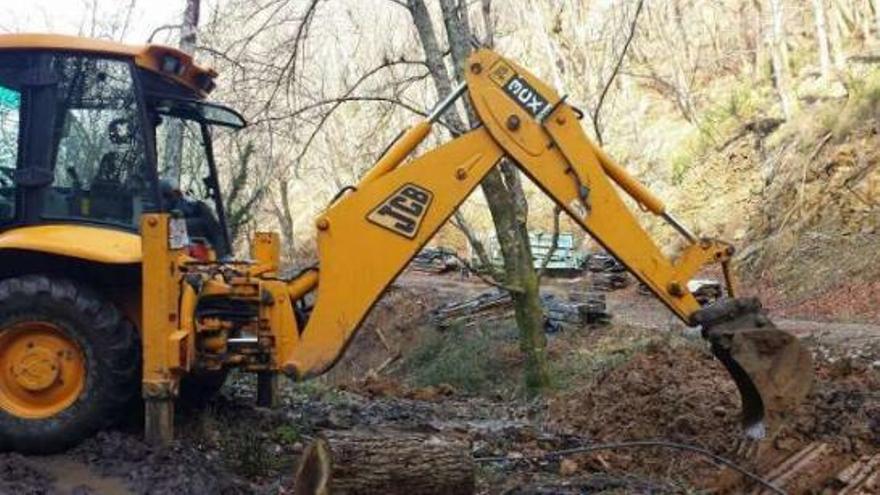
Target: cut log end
{"points": [[355, 462], [313, 472]]}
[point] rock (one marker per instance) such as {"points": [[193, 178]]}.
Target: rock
{"points": [[568, 467]]}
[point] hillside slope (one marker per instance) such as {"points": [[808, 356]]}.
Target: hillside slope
{"points": [[801, 202]]}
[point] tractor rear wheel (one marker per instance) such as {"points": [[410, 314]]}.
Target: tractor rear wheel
{"points": [[70, 364]]}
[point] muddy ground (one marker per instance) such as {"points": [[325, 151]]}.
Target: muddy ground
{"points": [[641, 378]]}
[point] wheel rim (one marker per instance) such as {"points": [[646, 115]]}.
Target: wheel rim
{"points": [[43, 370]]}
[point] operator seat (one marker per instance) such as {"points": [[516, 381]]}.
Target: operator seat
{"points": [[109, 198]]}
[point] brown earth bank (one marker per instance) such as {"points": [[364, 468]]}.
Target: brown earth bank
{"points": [[643, 378], [678, 393]]}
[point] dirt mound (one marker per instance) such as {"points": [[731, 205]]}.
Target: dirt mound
{"points": [[843, 410], [388, 329], [678, 393], [675, 393]]}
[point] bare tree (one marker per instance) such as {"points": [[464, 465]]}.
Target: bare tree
{"points": [[242, 204], [875, 4], [819, 14], [835, 20], [597, 110], [779, 57], [174, 143], [502, 188]]}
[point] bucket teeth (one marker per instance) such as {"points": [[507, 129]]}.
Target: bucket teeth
{"points": [[772, 370]]}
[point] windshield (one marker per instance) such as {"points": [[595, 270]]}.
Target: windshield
{"points": [[180, 141], [188, 176], [199, 111]]}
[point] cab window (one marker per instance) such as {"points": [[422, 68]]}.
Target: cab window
{"points": [[10, 120], [100, 160]]}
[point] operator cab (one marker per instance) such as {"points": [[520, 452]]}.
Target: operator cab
{"points": [[90, 132]]}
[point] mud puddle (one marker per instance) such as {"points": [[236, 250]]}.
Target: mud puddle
{"points": [[74, 477]]}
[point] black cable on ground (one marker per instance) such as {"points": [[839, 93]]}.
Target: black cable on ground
{"points": [[646, 443]]}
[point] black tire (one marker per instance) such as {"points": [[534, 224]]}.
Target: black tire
{"points": [[111, 349]]}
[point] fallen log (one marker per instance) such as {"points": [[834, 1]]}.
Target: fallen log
{"points": [[386, 462]]}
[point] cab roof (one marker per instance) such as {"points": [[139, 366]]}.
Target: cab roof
{"points": [[169, 63]]}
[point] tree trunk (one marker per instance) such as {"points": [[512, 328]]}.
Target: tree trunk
{"points": [[285, 217], [504, 194], [174, 139], [349, 462], [189, 26], [876, 5], [509, 209], [779, 58], [758, 41], [542, 30], [834, 36], [865, 23], [822, 38]]}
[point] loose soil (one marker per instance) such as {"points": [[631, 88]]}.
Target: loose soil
{"points": [[646, 378]]}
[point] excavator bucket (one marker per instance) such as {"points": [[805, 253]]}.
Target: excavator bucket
{"points": [[771, 368]]}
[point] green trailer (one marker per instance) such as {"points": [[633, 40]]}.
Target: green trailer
{"points": [[567, 260]]}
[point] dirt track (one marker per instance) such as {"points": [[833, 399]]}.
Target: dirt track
{"points": [[671, 389]]}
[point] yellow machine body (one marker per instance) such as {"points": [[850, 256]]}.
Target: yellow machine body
{"points": [[145, 56], [366, 238], [94, 244]]}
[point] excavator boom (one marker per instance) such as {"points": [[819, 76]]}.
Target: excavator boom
{"points": [[398, 206], [189, 313], [213, 315]]}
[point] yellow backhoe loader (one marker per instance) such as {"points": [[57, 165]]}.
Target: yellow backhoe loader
{"points": [[116, 280]]}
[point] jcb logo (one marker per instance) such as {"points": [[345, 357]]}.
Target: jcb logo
{"points": [[403, 211]]}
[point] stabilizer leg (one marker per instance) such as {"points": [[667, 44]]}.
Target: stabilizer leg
{"points": [[159, 420], [268, 387]]}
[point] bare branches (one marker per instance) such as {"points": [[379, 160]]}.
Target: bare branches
{"points": [[344, 99], [290, 65], [460, 222], [166, 27], [434, 57], [401, 3], [488, 280], [488, 24], [337, 102], [126, 20], [554, 242], [221, 55], [597, 127], [340, 101]]}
